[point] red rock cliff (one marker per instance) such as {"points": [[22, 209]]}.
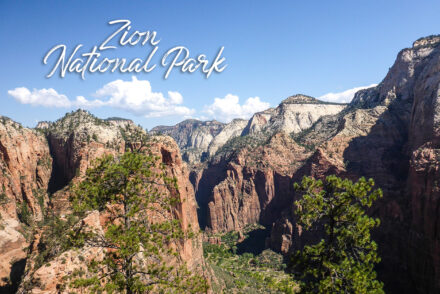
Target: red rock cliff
{"points": [[26, 166]]}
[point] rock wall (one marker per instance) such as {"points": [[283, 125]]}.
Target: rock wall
{"points": [[192, 136], [26, 166], [249, 186], [391, 134], [293, 115]]}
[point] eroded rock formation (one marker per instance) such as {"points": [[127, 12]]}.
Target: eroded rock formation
{"points": [[70, 145], [50, 277], [26, 167]]}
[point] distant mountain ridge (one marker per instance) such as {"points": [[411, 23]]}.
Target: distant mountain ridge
{"points": [[200, 140]]}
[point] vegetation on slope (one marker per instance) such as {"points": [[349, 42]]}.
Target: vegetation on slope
{"points": [[246, 272]]}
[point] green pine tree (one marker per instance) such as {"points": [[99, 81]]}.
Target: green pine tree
{"points": [[343, 261], [133, 191]]}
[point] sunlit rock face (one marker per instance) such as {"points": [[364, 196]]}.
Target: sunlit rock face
{"points": [[49, 159], [294, 114], [26, 166]]}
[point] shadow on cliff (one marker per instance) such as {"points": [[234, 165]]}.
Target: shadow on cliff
{"points": [[61, 154], [17, 271], [203, 186], [383, 156], [271, 208], [255, 243]]}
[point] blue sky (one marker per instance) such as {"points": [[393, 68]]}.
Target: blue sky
{"points": [[273, 49]]}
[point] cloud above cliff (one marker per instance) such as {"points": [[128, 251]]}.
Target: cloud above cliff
{"points": [[227, 108], [135, 96], [345, 96], [42, 97]]}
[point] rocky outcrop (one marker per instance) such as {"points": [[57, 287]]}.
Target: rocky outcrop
{"points": [[79, 138], [423, 184], [70, 145], [231, 130], [293, 115], [200, 140], [50, 277], [192, 136], [391, 134], [26, 166]]}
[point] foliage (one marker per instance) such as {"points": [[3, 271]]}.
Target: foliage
{"points": [[263, 273], [134, 193], [3, 198], [136, 139], [52, 241], [236, 144], [343, 261], [24, 214], [45, 161]]}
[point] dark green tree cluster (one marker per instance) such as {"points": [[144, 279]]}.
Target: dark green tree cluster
{"points": [[140, 237], [343, 261]]}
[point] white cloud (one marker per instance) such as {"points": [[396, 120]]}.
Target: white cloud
{"points": [[227, 108], [42, 97], [345, 96], [135, 96]]}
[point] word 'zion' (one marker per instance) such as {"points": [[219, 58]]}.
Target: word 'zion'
{"points": [[91, 62]]}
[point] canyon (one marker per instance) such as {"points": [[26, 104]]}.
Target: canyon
{"points": [[389, 133], [233, 176]]}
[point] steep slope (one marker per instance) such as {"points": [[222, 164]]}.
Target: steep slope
{"points": [[250, 185], [390, 133], [76, 140], [229, 131], [26, 167]]}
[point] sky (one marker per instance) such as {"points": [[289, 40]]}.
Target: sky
{"points": [[271, 50]]}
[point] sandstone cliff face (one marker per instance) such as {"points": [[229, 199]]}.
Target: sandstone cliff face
{"points": [[70, 145], [248, 177], [389, 133], [231, 130], [293, 115], [76, 140], [199, 141], [49, 277], [26, 167], [424, 169], [248, 186], [192, 136]]}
